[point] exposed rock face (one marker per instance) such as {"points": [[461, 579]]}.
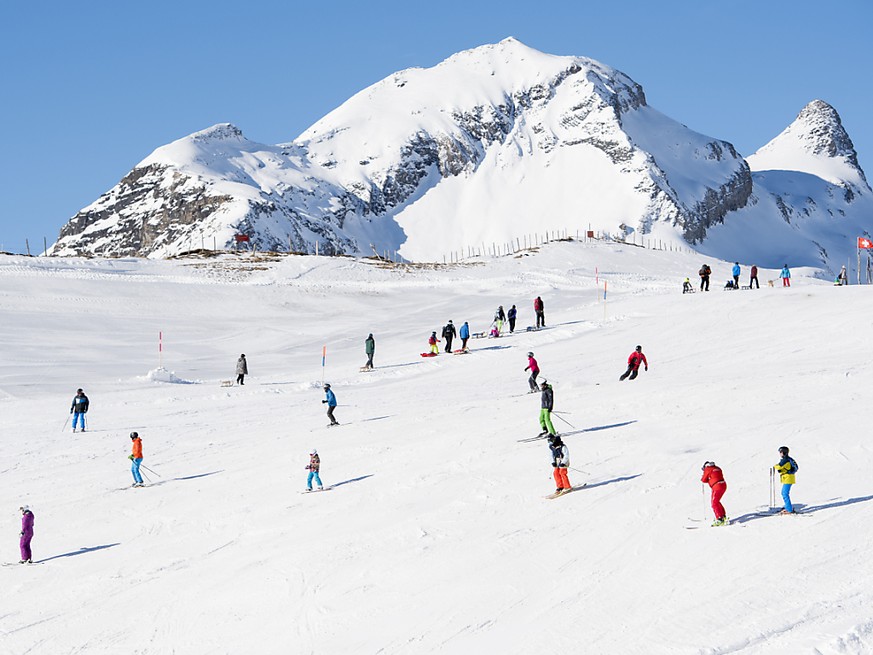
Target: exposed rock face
{"points": [[491, 144]]}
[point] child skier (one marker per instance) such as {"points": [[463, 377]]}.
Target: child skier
{"points": [[79, 408], [546, 405], [560, 462], [434, 344], [314, 466], [534, 369], [686, 286], [136, 459], [331, 404], [786, 468], [633, 364], [713, 476], [26, 535]]}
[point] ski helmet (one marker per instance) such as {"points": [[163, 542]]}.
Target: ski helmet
{"points": [[639, 349], [327, 385], [783, 450], [543, 382], [24, 508], [705, 464], [313, 452], [134, 435], [530, 354]]}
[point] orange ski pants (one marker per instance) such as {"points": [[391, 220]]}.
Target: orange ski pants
{"points": [[561, 479]]}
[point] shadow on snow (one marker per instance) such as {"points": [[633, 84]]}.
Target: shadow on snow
{"points": [[363, 477], [81, 551]]}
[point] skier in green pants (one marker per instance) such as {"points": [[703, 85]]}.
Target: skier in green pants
{"points": [[547, 404]]}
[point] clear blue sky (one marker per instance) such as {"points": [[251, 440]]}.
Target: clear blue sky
{"points": [[89, 89]]}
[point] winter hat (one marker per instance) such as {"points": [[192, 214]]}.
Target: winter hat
{"points": [[543, 382], [313, 452], [783, 450], [25, 508], [242, 355], [79, 391], [705, 464], [450, 320], [639, 349]]}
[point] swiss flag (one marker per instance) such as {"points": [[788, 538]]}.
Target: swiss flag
{"points": [[864, 244]]}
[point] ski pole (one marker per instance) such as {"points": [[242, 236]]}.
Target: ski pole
{"points": [[148, 479], [565, 420], [148, 469], [65, 423], [578, 470]]}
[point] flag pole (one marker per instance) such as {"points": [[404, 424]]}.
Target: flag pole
{"points": [[323, 357], [161, 349]]}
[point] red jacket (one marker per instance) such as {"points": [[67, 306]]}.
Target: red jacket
{"points": [[635, 359], [137, 448], [712, 475], [538, 305]]}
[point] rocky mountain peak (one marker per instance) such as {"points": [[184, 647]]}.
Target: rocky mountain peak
{"points": [[819, 126]]}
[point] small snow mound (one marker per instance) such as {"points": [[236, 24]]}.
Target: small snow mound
{"points": [[161, 374]]}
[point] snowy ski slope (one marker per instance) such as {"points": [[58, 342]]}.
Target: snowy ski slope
{"points": [[437, 537]]}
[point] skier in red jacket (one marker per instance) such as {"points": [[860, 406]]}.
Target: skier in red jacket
{"points": [[713, 476], [633, 364]]}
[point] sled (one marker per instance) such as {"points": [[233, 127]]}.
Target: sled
{"points": [[227, 383], [429, 354]]}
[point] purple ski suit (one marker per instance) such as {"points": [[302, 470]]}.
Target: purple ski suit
{"points": [[26, 535]]}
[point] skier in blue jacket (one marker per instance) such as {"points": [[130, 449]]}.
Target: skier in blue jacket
{"points": [[464, 334], [735, 271], [331, 404]]}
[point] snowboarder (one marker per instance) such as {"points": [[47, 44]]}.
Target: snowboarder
{"points": [[713, 476], [633, 364], [313, 468], [785, 274], [26, 535], [370, 349], [540, 310], [753, 279], [560, 463], [704, 273], [546, 405], [842, 278], [735, 271], [510, 315], [534, 369], [786, 468], [449, 334], [331, 403], [464, 334], [686, 286], [434, 344], [79, 408], [136, 459], [242, 369]]}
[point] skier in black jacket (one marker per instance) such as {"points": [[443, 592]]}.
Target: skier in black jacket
{"points": [[449, 333], [511, 314], [547, 404], [79, 408]]}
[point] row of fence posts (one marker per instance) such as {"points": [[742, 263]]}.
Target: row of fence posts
{"points": [[528, 241]]}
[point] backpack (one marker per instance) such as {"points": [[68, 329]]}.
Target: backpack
{"points": [[794, 467]]}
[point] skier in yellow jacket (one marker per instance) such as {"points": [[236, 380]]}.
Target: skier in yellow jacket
{"points": [[786, 468]]}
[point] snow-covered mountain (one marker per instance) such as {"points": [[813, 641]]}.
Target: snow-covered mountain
{"points": [[490, 145]]}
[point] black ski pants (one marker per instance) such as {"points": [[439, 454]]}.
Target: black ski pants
{"points": [[631, 371], [512, 325], [754, 281], [330, 409], [532, 381], [369, 360], [704, 283], [240, 377], [541, 318], [449, 343], [464, 343]]}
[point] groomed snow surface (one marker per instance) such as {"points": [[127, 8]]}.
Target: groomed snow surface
{"points": [[436, 537]]}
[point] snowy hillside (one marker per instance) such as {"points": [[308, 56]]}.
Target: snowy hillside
{"points": [[436, 537], [488, 147]]}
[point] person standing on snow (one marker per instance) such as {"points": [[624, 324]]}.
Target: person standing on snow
{"points": [[79, 408], [540, 311], [136, 459], [704, 273], [786, 468], [842, 278], [331, 404], [464, 334], [242, 369], [534, 369], [547, 404], [449, 334], [510, 316], [499, 317], [686, 286], [313, 468], [735, 271], [713, 476], [753, 279], [434, 344], [785, 274], [633, 364], [560, 464], [370, 349], [26, 535]]}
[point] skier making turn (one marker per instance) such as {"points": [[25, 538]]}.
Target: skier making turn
{"points": [[534, 369], [633, 364], [713, 476]]}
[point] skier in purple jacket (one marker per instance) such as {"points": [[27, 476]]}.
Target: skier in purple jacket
{"points": [[26, 535]]}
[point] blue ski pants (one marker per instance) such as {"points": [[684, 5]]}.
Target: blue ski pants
{"points": [[134, 468], [313, 475], [78, 417], [786, 496]]}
